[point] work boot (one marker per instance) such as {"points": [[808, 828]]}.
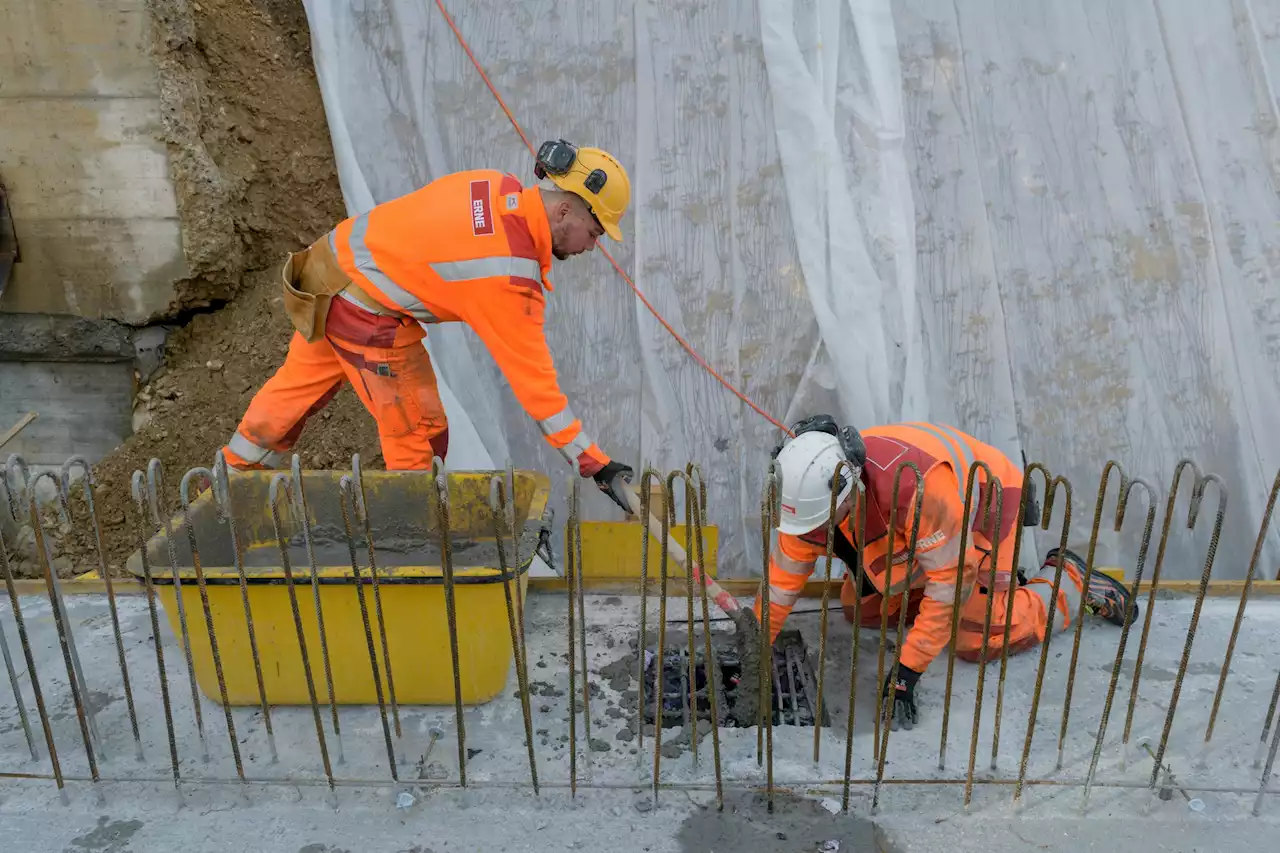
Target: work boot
{"points": [[1106, 597]]}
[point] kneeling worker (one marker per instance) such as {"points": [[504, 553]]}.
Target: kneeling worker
{"points": [[943, 454], [472, 247]]}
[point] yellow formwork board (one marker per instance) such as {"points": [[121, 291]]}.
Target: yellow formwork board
{"points": [[611, 549]]}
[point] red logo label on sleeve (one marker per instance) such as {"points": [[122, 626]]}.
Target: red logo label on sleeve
{"points": [[481, 215]]}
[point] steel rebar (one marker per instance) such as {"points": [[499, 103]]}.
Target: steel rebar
{"points": [[859, 577], [162, 521], [647, 479], [1111, 465], [222, 499], [1050, 613], [347, 499], [140, 498], [843, 468], [1121, 505], [13, 676], [1151, 600], [1267, 722], [1018, 527], [304, 520], [909, 571], [699, 523], [1197, 496], [664, 568], [64, 495], [691, 662], [62, 623], [184, 492], [770, 515], [1235, 627], [498, 506], [997, 499], [440, 479], [25, 642], [362, 511], [962, 585], [283, 482]]}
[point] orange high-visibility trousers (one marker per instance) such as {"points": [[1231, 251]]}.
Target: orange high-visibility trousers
{"points": [[1025, 630], [386, 364]]}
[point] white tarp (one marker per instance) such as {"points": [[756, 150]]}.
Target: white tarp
{"points": [[1053, 225]]}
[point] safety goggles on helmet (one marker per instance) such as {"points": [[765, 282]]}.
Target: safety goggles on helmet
{"points": [[558, 157]]}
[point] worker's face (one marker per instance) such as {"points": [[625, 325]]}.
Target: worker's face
{"points": [[574, 229]]}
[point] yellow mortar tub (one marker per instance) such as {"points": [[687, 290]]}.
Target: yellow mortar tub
{"points": [[410, 580]]}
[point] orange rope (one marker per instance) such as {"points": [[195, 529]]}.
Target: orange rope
{"points": [[647, 304]]}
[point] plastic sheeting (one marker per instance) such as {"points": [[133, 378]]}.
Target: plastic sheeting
{"points": [[1052, 225]]}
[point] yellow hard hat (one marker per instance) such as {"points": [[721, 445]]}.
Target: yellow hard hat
{"points": [[592, 174]]}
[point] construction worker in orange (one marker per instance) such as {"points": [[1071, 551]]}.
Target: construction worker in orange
{"points": [[473, 247], [808, 465]]}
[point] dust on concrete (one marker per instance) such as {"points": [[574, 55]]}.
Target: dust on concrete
{"points": [[1157, 673], [796, 824], [109, 836], [95, 702]]}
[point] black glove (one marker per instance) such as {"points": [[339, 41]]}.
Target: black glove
{"points": [[606, 479], [904, 713]]}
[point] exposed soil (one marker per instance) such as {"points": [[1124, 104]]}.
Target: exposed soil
{"points": [[248, 143], [254, 168]]}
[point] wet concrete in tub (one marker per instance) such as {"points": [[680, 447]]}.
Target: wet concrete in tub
{"points": [[391, 550]]}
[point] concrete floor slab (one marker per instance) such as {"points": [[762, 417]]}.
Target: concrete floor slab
{"points": [[918, 801]]}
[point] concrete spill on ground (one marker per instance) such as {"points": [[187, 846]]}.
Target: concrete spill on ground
{"points": [[109, 837], [796, 824]]}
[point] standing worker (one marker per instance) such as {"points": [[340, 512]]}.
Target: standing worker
{"points": [[943, 454], [472, 247]]}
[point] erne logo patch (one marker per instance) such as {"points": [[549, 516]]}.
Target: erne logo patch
{"points": [[481, 215]]}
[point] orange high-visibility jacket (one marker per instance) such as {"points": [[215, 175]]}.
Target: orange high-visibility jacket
{"points": [[472, 247], [943, 454]]}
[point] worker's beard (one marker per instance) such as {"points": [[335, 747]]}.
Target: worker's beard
{"points": [[559, 254]]}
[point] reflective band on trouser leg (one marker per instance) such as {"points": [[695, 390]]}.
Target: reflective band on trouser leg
{"points": [[783, 597], [368, 267], [1068, 599], [253, 453]]}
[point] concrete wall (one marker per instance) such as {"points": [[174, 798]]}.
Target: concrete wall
{"points": [[81, 154], [84, 408]]}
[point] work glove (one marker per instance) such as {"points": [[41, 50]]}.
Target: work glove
{"points": [[903, 713], [607, 479]]}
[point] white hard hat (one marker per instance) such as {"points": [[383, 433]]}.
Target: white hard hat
{"points": [[808, 464]]}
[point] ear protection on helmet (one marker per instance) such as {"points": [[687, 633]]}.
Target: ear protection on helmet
{"points": [[854, 449]]}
